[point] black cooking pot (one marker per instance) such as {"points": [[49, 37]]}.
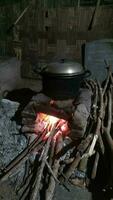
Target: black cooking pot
{"points": [[62, 80]]}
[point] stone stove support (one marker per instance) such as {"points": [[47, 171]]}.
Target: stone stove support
{"points": [[75, 111]]}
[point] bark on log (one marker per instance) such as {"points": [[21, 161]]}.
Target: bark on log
{"points": [[35, 190], [56, 165], [81, 149], [94, 170]]}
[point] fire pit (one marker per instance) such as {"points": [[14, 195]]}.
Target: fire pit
{"points": [[65, 136], [45, 123], [42, 113], [54, 122]]}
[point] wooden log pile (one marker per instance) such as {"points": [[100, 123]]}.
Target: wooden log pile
{"points": [[59, 159]]}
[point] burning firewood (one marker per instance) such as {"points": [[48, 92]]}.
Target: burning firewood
{"points": [[55, 167], [35, 191]]}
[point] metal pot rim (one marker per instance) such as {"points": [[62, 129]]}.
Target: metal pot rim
{"points": [[62, 75], [63, 69]]}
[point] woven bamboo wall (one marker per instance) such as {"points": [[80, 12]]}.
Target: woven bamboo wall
{"points": [[61, 32], [51, 29], [9, 11]]}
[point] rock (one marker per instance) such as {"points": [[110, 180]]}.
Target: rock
{"points": [[8, 108], [11, 141], [81, 114]]}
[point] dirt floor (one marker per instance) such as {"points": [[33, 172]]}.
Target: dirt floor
{"points": [[7, 193]]}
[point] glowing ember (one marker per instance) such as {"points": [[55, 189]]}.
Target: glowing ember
{"points": [[46, 122]]}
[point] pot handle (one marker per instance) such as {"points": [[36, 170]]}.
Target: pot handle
{"points": [[87, 73], [40, 70]]}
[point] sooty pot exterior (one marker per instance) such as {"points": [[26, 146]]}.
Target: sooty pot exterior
{"points": [[62, 80]]}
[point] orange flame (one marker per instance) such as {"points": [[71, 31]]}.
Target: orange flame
{"points": [[46, 122]]}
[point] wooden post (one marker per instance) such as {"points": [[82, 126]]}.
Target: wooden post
{"points": [[78, 3]]}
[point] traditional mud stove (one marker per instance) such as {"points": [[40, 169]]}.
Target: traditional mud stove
{"points": [[63, 134]]}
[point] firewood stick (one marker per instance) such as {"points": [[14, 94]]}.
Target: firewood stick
{"points": [[106, 84], [104, 112], [94, 106], [94, 16], [22, 187], [29, 115], [101, 144], [109, 138], [111, 77], [108, 128], [72, 167], [18, 19], [108, 77], [98, 95], [22, 157], [95, 103], [67, 148], [81, 149], [27, 121], [56, 165], [53, 144], [28, 134], [68, 161], [29, 184], [101, 101], [28, 128], [59, 145], [50, 159], [99, 121], [35, 190], [94, 170], [81, 168], [25, 189], [87, 85], [84, 161], [52, 173], [95, 138], [91, 148], [92, 84], [97, 133], [9, 172], [23, 153], [52, 182]]}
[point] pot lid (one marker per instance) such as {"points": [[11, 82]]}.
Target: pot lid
{"points": [[61, 68]]}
